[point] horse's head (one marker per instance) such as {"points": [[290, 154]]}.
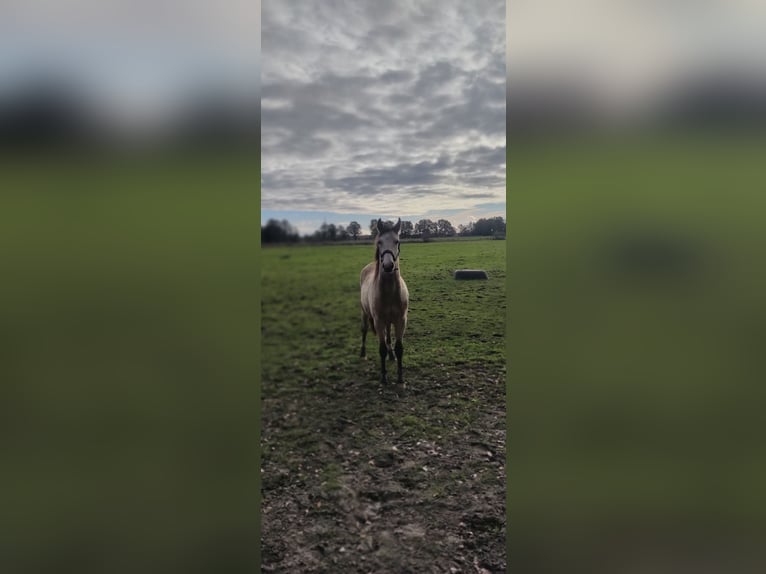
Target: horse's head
{"points": [[387, 245]]}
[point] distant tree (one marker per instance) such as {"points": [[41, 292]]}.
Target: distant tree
{"points": [[354, 229], [326, 232], [445, 228], [489, 226], [500, 226], [323, 233], [278, 232], [464, 230], [426, 228], [342, 233], [407, 229]]}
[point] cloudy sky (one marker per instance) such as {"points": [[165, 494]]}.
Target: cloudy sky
{"points": [[391, 109]]}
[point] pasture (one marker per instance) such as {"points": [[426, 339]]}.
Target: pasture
{"points": [[383, 478]]}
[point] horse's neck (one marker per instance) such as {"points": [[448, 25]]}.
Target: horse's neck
{"points": [[388, 282]]}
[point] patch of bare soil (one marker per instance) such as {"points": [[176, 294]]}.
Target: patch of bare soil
{"points": [[362, 478]]}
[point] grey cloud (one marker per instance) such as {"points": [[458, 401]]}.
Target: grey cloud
{"points": [[402, 175], [482, 157], [305, 147], [437, 74], [397, 76], [480, 169], [484, 181], [311, 117], [478, 195], [370, 97], [384, 35]]}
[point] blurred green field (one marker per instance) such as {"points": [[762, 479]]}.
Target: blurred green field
{"points": [[636, 332], [635, 312], [129, 366]]}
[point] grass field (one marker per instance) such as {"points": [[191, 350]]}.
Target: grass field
{"points": [[352, 471]]}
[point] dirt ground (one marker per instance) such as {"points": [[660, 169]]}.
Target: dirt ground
{"points": [[362, 478]]}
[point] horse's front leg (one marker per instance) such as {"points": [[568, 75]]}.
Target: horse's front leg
{"points": [[400, 328], [383, 353]]}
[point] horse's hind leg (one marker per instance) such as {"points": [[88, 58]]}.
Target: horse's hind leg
{"points": [[400, 327], [383, 348], [365, 319], [388, 342], [399, 355]]}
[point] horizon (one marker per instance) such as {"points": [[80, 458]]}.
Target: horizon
{"points": [[307, 222]]}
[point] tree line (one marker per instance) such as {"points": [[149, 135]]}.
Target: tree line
{"points": [[276, 231]]}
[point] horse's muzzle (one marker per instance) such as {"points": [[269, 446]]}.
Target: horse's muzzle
{"points": [[388, 261]]}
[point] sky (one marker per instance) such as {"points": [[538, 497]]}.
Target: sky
{"points": [[382, 109]]}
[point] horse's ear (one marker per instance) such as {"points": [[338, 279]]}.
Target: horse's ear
{"points": [[380, 226], [398, 225]]}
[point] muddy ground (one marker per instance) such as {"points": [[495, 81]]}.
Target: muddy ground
{"points": [[361, 478]]}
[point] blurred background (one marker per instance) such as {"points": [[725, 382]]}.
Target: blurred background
{"points": [[129, 192], [129, 210], [636, 175]]}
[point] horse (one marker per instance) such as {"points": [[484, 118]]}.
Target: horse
{"points": [[385, 298]]}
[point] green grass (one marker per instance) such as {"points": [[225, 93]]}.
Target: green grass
{"points": [[311, 313], [367, 442]]}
